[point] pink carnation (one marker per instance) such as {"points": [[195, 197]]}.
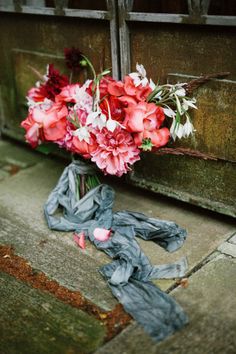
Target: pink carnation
{"points": [[115, 152], [68, 93]]}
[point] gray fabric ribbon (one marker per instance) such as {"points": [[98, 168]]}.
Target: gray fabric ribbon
{"points": [[130, 273]]}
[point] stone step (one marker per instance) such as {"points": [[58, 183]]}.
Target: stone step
{"points": [[209, 301], [35, 322], [23, 195]]}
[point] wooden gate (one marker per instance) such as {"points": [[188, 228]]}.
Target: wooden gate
{"points": [[174, 40]]}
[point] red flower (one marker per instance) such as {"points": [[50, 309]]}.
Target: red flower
{"points": [[103, 86], [116, 108], [54, 83], [74, 59]]}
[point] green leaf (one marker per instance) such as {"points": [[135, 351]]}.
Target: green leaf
{"points": [[147, 145], [47, 148]]}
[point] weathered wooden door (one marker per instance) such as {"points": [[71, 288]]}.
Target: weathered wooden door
{"points": [[175, 40]]}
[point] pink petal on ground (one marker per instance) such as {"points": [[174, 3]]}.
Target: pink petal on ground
{"points": [[101, 234], [80, 239]]}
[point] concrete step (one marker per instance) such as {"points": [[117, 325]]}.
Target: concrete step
{"points": [[210, 303], [34, 322]]}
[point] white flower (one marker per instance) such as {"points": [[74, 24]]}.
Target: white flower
{"points": [[82, 99], [189, 103], [179, 131], [180, 92], [151, 84], [139, 77], [140, 69], [111, 125], [82, 133], [96, 119], [42, 106], [188, 128], [169, 112], [87, 84], [176, 130], [177, 90]]}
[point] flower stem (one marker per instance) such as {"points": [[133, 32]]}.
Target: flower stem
{"points": [[85, 183], [90, 65]]}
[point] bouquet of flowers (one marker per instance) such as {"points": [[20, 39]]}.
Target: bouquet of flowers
{"points": [[107, 121], [111, 122]]}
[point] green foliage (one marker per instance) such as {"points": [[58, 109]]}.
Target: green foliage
{"points": [[147, 145], [47, 148]]}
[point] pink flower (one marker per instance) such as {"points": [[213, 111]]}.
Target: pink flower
{"points": [[127, 90], [34, 132], [144, 120], [68, 93], [83, 148], [115, 152], [101, 234], [67, 140], [35, 95], [47, 125], [159, 137], [143, 116]]}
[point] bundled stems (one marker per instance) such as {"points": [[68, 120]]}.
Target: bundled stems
{"points": [[85, 183]]}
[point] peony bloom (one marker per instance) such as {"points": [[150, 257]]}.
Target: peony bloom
{"points": [[143, 116], [116, 151], [144, 120], [47, 125], [159, 137]]}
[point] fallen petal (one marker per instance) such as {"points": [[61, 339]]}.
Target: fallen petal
{"points": [[80, 239], [101, 234]]}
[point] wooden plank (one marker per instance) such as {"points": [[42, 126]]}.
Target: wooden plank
{"points": [[89, 14], [205, 6], [220, 20], [111, 8], [155, 17], [181, 18], [124, 38]]}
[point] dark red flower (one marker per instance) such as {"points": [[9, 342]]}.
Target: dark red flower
{"points": [[74, 59], [54, 83], [116, 108]]}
